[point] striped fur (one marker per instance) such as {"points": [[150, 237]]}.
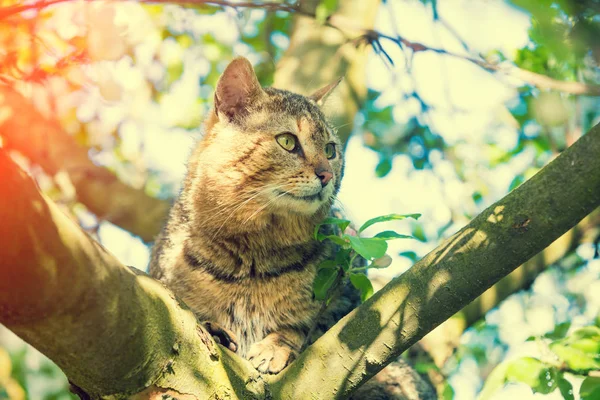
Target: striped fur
{"points": [[238, 246]]}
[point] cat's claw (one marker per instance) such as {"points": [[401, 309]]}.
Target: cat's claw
{"points": [[270, 358], [222, 335]]}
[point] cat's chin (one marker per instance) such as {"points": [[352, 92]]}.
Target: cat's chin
{"points": [[302, 205]]}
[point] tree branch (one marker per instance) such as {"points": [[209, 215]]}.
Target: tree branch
{"points": [[111, 329], [6, 12], [538, 80], [44, 142], [443, 340], [496, 242]]}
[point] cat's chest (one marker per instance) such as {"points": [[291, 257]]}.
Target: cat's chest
{"points": [[252, 309]]}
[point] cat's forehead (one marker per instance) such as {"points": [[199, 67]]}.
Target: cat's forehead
{"points": [[282, 101], [281, 108]]}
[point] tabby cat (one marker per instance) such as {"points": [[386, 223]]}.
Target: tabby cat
{"points": [[238, 246]]}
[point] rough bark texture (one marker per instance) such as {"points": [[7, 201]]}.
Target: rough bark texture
{"points": [[64, 294], [45, 143], [443, 340], [111, 329]]}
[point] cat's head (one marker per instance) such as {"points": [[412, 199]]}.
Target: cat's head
{"points": [[268, 150]]}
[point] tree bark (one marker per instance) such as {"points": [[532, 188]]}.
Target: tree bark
{"points": [[443, 340], [64, 294], [111, 329]]}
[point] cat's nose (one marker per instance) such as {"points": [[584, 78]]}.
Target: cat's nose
{"points": [[324, 175]]}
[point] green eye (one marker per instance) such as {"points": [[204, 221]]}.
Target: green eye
{"points": [[330, 150], [287, 141]]}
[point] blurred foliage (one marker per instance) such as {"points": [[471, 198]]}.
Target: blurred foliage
{"points": [[577, 353], [133, 81]]}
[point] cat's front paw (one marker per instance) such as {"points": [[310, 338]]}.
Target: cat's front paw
{"points": [[270, 356]]}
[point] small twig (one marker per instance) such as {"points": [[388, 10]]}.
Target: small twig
{"points": [[266, 5], [532, 78], [371, 36]]}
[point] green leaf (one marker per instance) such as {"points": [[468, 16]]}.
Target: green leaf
{"points": [[494, 381], [390, 235], [590, 388], [341, 223], [419, 233], [383, 167], [389, 217], [533, 373], [559, 331], [575, 358], [334, 238], [587, 332], [565, 387], [327, 264], [425, 367], [580, 350], [324, 280], [448, 392], [343, 258], [516, 182], [411, 255], [362, 283], [367, 247]]}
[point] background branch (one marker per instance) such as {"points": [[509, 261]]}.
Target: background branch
{"points": [[532, 78], [45, 143]]}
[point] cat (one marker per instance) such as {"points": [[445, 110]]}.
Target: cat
{"points": [[238, 245]]}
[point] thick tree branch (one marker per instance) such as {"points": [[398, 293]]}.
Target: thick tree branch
{"points": [[110, 329], [443, 340], [45, 143], [496, 242]]}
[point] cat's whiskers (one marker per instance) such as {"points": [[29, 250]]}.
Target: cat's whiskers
{"points": [[232, 208], [338, 203], [265, 206], [222, 209], [268, 187]]}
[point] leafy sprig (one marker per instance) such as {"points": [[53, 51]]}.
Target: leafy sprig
{"points": [[331, 273]]}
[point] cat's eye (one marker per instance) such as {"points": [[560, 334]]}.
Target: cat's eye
{"points": [[287, 141], [330, 151]]}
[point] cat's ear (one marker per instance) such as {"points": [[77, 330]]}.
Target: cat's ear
{"points": [[321, 95], [236, 89]]}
